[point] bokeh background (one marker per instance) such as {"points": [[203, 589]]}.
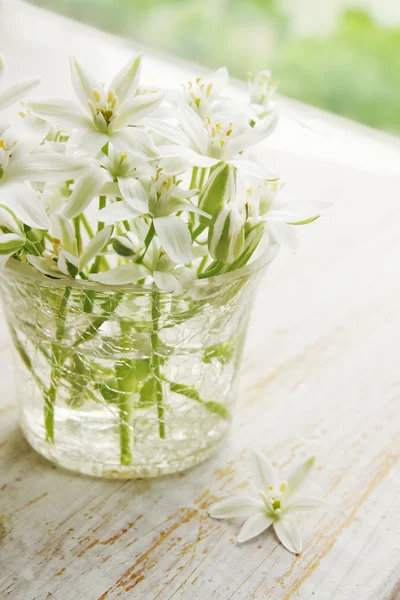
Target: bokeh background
{"points": [[340, 55]]}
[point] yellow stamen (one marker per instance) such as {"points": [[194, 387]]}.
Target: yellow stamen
{"points": [[208, 90], [2, 144], [198, 79], [96, 95]]}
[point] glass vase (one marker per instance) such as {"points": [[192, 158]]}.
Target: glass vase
{"points": [[126, 381]]}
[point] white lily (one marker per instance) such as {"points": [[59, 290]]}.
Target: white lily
{"points": [[276, 503], [18, 165], [109, 113]]}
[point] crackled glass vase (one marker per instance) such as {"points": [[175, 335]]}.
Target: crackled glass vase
{"points": [[127, 381]]}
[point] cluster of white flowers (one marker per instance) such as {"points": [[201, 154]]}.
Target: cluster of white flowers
{"points": [[131, 186]]}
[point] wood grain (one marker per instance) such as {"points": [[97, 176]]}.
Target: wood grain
{"points": [[320, 376]]}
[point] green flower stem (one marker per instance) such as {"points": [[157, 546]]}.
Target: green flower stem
{"points": [[100, 260], [199, 229], [215, 268], [155, 362], [150, 234], [125, 428], [50, 395], [203, 173], [193, 180], [25, 358], [110, 306], [78, 237], [86, 225]]}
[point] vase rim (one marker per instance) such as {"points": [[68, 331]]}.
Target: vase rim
{"points": [[26, 271]]}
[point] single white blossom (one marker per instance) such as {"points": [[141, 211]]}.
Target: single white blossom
{"points": [[108, 113], [277, 502]]}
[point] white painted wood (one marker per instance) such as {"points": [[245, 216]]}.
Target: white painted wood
{"points": [[320, 376]]}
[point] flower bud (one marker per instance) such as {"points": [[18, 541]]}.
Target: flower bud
{"points": [[226, 233], [219, 190]]}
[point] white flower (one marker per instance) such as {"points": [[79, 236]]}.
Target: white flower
{"points": [[204, 94], [277, 501], [160, 199], [205, 142], [16, 91], [18, 165], [261, 91], [110, 113]]}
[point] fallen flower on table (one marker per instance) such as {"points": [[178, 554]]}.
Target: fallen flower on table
{"points": [[277, 502]]}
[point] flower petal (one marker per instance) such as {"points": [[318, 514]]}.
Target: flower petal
{"points": [[44, 167], [133, 140], [45, 266], [241, 506], [284, 234], [305, 503], [26, 206], [122, 275], [253, 169], [194, 127], [175, 238], [10, 243], [83, 82], [9, 220], [168, 131], [63, 112], [134, 194], [192, 158], [95, 246], [89, 139], [264, 474], [253, 527], [167, 282], [298, 475], [117, 211], [135, 110], [63, 230], [288, 534], [17, 91], [86, 188], [126, 81]]}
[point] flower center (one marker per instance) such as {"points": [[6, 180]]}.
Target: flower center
{"points": [[273, 499], [104, 109], [198, 91]]}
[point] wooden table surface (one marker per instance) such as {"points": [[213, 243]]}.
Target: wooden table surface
{"points": [[321, 375]]}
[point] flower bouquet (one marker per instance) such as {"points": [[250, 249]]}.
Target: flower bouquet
{"points": [[134, 229]]}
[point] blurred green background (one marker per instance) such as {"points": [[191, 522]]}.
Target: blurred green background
{"points": [[339, 55]]}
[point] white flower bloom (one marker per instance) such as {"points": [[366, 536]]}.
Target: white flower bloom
{"points": [[261, 91], [277, 501], [204, 94], [160, 199], [205, 142], [109, 113], [18, 165]]}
